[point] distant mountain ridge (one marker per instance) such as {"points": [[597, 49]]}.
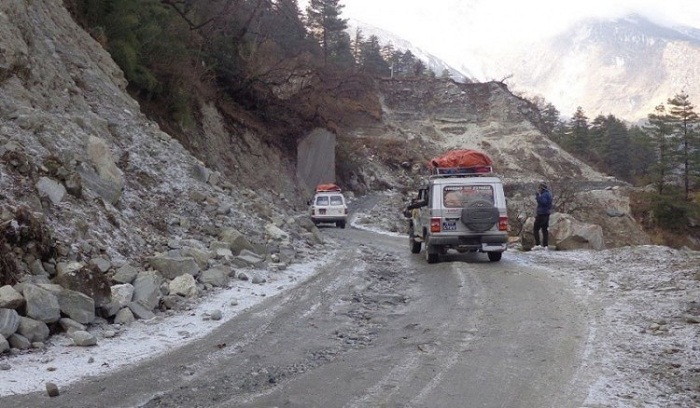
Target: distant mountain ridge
{"points": [[624, 67], [434, 63]]}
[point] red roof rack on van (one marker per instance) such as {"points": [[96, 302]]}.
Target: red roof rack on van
{"points": [[461, 171], [326, 188], [461, 162]]}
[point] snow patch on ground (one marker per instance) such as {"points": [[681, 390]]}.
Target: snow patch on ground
{"points": [[643, 346], [62, 363]]}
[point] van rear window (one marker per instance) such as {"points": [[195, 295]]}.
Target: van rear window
{"points": [[322, 200], [457, 196]]}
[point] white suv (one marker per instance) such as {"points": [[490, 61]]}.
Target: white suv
{"points": [[461, 210], [329, 207]]}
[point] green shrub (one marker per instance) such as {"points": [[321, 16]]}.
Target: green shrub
{"points": [[180, 108], [670, 212]]}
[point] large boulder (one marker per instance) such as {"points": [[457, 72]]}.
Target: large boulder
{"points": [[9, 322], [566, 233], [102, 176], [4, 344], [10, 298], [276, 233], [236, 240], [147, 289], [51, 189], [170, 267], [201, 256], [610, 208], [85, 279], [78, 306], [184, 285], [42, 305], [125, 274], [33, 330], [215, 276]]}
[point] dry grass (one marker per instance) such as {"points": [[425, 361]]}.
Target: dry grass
{"points": [[27, 233], [643, 212], [9, 274]]}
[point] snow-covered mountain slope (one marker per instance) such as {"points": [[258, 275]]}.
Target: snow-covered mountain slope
{"points": [[436, 64], [625, 67]]}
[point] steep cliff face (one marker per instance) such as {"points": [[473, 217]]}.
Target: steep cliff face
{"points": [[485, 116], [422, 119], [76, 149]]}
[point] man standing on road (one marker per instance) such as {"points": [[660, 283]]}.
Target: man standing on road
{"points": [[544, 208]]}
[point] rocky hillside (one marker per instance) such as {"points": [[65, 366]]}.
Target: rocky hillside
{"points": [[422, 119], [100, 210]]}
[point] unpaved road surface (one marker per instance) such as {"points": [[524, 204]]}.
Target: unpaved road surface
{"points": [[378, 327]]}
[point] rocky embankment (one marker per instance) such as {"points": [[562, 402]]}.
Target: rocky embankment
{"points": [[63, 294], [104, 218]]}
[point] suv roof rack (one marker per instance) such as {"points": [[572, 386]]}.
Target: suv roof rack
{"points": [[328, 188], [473, 171]]}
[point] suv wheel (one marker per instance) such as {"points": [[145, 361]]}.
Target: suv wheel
{"points": [[431, 254], [479, 215], [340, 224], [495, 256], [415, 245]]}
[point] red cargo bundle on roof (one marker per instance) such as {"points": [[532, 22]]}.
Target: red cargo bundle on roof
{"points": [[461, 158], [321, 188]]}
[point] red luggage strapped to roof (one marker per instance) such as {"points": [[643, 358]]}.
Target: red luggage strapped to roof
{"points": [[461, 158], [328, 187]]}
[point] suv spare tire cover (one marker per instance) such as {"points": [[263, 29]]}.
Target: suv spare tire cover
{"points": [[479, 215]]}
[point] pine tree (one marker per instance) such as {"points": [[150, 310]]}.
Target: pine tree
{"points": [[685, 122], [659, 130], [550, 118], [596, 140], [357, 41], [393, 58], [406, 62], [419, 68], [328, 27], [388, 52], [340, 52], [371, 60], [282, 23], [641, 154], [615, 148], [577, 140]]}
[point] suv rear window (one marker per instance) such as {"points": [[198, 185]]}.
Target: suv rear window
{"points": [[336, 200], [457, 196], [322, 200]]}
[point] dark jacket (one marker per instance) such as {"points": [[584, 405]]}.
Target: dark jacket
{"points": [[544, 202]]}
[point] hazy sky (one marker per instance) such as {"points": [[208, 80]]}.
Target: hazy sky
{"points": [[439, 26]]}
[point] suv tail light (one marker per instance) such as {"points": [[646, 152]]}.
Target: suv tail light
{"points": [[435, 225], [503, 223]]}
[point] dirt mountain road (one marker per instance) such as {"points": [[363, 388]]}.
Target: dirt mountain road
{"points": [[377, 328]]}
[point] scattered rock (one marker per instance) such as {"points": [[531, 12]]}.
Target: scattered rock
{"points": [[83, 338], [52, 390]]}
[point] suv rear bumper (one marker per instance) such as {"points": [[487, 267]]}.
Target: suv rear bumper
{"points": [[486, 243], [330, 219]]}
